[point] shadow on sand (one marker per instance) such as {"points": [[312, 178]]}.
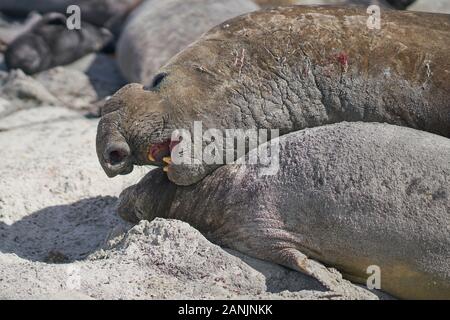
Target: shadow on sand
{"points": [[67, 233], [63, 233]]}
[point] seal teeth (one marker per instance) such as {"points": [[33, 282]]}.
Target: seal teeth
{"points": [[167, 160], [151, 158]]}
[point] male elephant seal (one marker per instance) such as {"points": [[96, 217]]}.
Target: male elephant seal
{"points": [[157, 30], [50, 43], [350, 195], [288, 68]]}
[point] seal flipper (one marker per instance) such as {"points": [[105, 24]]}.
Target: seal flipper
{"points": [[330, 278]]}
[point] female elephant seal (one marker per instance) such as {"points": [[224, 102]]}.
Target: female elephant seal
{"points": [[350, 195], [288, 68]]}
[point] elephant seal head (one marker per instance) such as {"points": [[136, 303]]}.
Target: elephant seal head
{"points": [[201, 84]]}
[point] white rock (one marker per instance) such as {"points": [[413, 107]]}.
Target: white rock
{"points": [[84, 82], [5, 105], [164, 259]]}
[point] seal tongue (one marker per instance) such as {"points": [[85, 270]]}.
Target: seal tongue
{"points": [[158, 151]]}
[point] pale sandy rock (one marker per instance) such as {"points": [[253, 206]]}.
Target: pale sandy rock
{"points": [[103, 73], [164, 259], [78, 86], [5, 105], [84, 82], [72, 88]]}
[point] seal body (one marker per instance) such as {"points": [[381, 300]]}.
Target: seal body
{"points": [[287, 68], [157, 30], [353, 196], [49, 43], [101, 13]]}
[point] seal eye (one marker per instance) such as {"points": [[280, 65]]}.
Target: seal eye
{"points": [[156, 82]]}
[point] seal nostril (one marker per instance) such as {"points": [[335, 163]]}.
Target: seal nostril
{"points": [[117, 156]]}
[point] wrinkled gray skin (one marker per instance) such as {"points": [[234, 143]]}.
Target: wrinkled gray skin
{"points": [[50, 43], [157, 30], [288, 69], [349, 195]]}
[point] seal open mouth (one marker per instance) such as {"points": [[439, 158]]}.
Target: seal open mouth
{"points": [[161, 152]]}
